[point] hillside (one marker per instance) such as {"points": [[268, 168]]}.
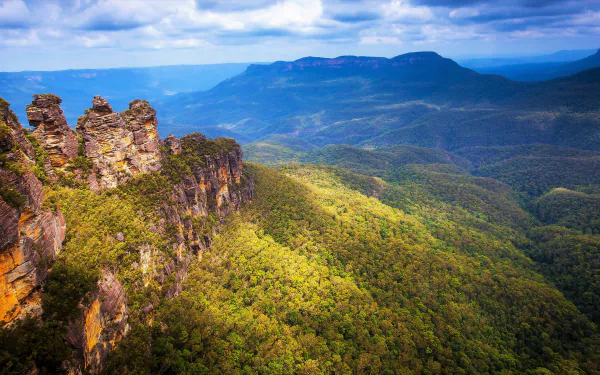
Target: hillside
{"points": [[176, 256], [420, 99], [314, 276], [101, 226], [559, 232]]}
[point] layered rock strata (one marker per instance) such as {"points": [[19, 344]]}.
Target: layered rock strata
{"points": [[31, 235], [51, 130], [216, 186], [102, 324], [119, 146]]}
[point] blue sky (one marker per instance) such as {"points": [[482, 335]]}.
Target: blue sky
{"points": [[63, 34]]}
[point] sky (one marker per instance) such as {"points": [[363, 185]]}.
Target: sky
{"points": [[66, 34]]}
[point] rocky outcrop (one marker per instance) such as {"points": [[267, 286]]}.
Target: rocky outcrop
{"points": [[102, 324], [216, 186], [141, 120], [119, 146], [52, 131], [31, 234], [173, 144], [207, 184]]}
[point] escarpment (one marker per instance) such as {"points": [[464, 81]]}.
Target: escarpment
{"points": [[208, 184], [179, 191], [31, 234]]}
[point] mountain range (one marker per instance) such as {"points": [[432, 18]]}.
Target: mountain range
{"points": [[419, 98], [384, 216], [543, 71]]}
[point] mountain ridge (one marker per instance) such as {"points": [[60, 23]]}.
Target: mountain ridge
{"points": [[354, 100]]}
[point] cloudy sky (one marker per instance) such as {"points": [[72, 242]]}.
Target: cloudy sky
{"points": [[61, 34]]}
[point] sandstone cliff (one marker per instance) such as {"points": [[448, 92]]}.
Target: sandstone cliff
{"points": [[119, 146], [51, 130], [31, 234], [200, 182], [101, 325], [209, 191]]}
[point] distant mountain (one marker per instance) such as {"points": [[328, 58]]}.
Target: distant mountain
{"points": [[543, 71], [556, 57], [121, 86], [421, 99]]}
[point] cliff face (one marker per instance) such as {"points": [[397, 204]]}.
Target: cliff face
{"points": [[119, 146], [31, 235], [52, 131], [102, 323], [202, 181], [206, 194]]}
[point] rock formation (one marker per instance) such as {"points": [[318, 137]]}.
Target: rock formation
{"points": [[214, 186], [208, 185], [120, 146], [31, 235], [173, 144], [52, 131], [141, 120]]}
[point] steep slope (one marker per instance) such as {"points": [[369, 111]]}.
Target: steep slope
{"points": [[420, 98], [564, 242], [31, 232], [126, 239], [316, 277], [572, 209]]}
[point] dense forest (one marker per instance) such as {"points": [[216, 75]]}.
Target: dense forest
{"points": [[425, 269]]}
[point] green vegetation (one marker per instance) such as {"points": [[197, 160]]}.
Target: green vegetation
{"points": [[194, 150], [31, 343], [5, 130], [571, 260], [534, 176], [381, 161], [11, 196], [316, 277], [41, 157], [400, 260], [572, 209], [484, 156], [12, 165]]}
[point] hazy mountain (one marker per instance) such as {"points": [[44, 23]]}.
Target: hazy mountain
{"points": [[419, 98], [543, 71], [556, 57], [121, 86]]}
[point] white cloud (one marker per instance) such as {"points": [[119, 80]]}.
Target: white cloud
{"points": [[125, 14], [13, 13], [280, 26], [95, 41], [18, 38], [527, 34], [464, 13], [400, 10]]}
